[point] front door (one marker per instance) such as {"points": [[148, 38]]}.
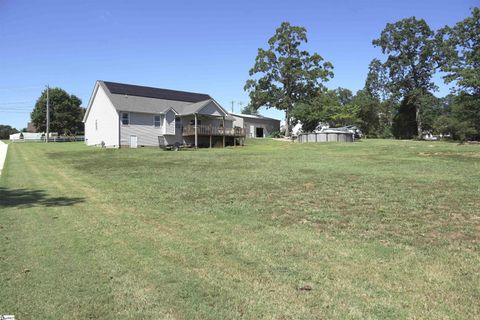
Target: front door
{"points": [[133, 141]]}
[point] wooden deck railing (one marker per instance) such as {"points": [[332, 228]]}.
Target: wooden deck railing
{"points": [[206, 130]]}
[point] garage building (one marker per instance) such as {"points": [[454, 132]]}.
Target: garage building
{"points": [[256, 126]]}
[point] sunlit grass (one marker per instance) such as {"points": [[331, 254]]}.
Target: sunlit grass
{"points": [[376, 229]]}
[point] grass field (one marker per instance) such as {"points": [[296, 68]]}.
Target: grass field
{"points": [[376, 229]]}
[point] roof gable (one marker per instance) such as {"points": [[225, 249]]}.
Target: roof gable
{"points": [[212, 108]]}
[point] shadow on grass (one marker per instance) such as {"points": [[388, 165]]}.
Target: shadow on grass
{"points": [[26, 198]]}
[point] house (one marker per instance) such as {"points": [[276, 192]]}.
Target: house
{"points": [[256, 126], [31, 127], [120, 115]]}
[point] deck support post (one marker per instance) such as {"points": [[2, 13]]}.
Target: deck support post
{"points": [[223, 131], [210, 136], [196, 133]]}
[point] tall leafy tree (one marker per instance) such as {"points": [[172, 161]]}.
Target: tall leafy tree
{"points": [[369, 110], [375, 84], [409, 46], [458, 50], [285, 75], [458, 53], [376, 102], [65, 112], [332, 107]]}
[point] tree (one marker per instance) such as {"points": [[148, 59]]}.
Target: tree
{"points": [[285, 74], [375, 103], [332, 107], [458, 53], [411, 64], [317, 109], [249, 109], [6, 131], [368, 113], [375, 84], [343, 96], [65, 112]]}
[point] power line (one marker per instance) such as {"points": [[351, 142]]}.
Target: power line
{"points": [[16, 107], [19, 88], [14, 102], [15, 111]]}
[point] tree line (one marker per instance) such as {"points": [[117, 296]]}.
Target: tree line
{"points": [[397, 99]]}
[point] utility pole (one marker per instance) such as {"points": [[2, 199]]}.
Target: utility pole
{"points": [[48, 114], [232, 105]]}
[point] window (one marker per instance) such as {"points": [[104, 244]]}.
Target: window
{"points": [[192, 122], [157, 121], [125, 118]]}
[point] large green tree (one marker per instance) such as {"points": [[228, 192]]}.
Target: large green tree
{"points": [[6, 131], [369, 111], [458, 50], [376, 103], [375, 84], [65, 112], [284, 75], [332, 107], [458, 53], [409, 46]]}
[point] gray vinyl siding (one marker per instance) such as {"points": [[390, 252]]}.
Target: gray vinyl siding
{"points": [[142, 126], [211, 109]]}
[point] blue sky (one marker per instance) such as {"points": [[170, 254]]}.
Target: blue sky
{"points": [[200, 46]]}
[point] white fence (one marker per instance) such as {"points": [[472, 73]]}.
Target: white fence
{"points": [[51, 139]]}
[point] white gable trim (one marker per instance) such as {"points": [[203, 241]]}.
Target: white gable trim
{"points": [[174, 111]]}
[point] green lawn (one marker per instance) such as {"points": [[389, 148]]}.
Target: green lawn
{"points": [[377, 229]]}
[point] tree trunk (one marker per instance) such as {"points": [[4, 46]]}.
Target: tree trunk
{"points": [[419, 122], [287, 124]]}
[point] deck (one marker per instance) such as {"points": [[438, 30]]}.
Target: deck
{"points": [[207, 130]]}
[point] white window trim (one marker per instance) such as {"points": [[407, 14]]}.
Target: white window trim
{"points": [[121, 118], [160, 122]]}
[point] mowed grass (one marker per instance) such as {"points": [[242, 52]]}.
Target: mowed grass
{"points": [[376, 229]]}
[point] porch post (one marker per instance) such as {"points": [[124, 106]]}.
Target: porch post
{"points": [[224, 131], [196, 133], [210, 136]]}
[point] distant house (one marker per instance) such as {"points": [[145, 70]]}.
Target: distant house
{"points": [[256, 126], [31, 127], [120, 115]]}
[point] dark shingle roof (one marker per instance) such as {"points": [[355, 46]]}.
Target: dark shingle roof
{"points": [[157, 93]]}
